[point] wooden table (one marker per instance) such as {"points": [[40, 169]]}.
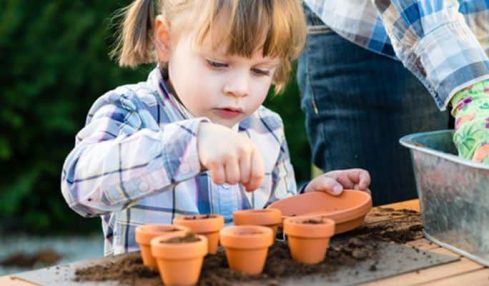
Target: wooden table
{"points": [[461, 272]]}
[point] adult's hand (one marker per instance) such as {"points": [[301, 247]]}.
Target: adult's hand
{"points": [[471, 112]]}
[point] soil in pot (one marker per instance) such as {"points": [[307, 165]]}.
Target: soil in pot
{"points": [[146, 232], [208, 225], [179, 257]]}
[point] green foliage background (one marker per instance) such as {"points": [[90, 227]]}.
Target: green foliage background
{"points": [[54, 64]]}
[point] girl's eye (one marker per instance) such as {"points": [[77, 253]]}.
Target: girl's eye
{"points": [[216, 65], [261, 72]]}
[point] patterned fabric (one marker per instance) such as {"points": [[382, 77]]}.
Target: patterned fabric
{"points": [[471, 112], [443, 43], [136, 162]]}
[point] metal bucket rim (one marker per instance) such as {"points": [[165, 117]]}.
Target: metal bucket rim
{"points": [[409, 140]]}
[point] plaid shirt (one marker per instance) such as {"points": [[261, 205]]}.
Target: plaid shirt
{"points": [[442, 42], [136, 162]]}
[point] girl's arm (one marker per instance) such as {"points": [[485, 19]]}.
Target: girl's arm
{"points": [[123, 155]]}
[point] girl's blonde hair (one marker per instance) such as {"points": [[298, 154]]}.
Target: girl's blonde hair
{"points": [[277, 26]]}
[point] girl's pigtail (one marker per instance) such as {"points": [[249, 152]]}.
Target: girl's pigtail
{"points": [[134, 45]]}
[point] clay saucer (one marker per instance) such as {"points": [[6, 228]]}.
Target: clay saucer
{"points": [[347, 210]]}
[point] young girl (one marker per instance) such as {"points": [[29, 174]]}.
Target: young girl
{"points": [[193, 138]]}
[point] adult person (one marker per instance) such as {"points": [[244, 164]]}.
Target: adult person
{"points": [[366, 73]]}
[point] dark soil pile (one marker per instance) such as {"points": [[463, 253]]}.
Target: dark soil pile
{"points": [[45, 257], [399, 226], [215, 270], [345, 250]]}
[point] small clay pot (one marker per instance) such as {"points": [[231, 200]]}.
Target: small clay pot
{"points": [[146, 232], [208, 225], [271, 218], [308, 237], [179, 257], [246, 247]]}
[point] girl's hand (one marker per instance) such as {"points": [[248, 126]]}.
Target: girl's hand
{"points": [[229, 157], [335, 181]]}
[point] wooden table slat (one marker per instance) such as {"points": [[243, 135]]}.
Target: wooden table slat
{"points": [[430, 274], [472, 278]]}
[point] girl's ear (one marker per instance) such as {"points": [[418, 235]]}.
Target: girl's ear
{"points": [[162, 38]]}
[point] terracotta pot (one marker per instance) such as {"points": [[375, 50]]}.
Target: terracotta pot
{"points": [[179, 257], [246, 247], [146, 232], [308, 237], [271, 218], [347, 210], [208, 225]]}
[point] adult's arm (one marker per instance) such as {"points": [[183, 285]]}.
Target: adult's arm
{"points": [[433, 41]]}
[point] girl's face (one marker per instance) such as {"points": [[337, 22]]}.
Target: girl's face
{"points": [[210, 83]]}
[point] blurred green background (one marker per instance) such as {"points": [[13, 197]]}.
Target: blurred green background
{"points": [[54, 63]]}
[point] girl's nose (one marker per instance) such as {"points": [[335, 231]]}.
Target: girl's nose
{"points": [[238, 85]]}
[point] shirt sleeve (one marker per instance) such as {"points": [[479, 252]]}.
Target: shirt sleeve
{"points": [[123, 155], [433, 41], [283, 177]]}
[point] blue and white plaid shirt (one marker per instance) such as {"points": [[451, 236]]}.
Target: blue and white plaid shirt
{"points": [[136, 162], [443, 43]]}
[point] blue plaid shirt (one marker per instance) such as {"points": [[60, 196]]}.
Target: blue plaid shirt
{"points": [[136, 162], [443, 43]]}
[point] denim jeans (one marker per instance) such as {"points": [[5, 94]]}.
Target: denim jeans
{"points": [[357, 105]]}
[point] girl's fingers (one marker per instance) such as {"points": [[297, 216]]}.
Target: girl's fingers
{"points": [[245, 169], [217, 174], [345, 180], [232, 172], [351, 178], [257, 171], [325, 184], [364, 182]]}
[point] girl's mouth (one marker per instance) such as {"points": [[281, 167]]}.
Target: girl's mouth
{"points": [[228, 112]]}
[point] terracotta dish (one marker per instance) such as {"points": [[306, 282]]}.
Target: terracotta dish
{"points": [[347, 210]]}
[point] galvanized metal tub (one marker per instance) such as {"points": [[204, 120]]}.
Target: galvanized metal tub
{"points": [[453, 193]]}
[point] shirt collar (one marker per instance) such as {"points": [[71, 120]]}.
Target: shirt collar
{"points": [[158, 78]]}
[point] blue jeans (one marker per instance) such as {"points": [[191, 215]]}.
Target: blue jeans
{"points": [[357, 105]]}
